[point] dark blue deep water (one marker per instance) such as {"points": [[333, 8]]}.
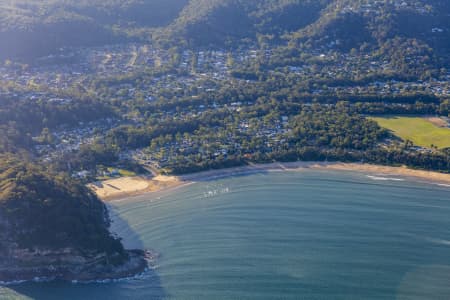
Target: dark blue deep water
{"points": [[281, 235]]}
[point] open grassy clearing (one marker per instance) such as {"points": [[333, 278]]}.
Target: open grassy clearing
{"points": [[419, 130]]}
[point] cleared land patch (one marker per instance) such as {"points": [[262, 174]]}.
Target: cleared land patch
{"points": [[419, 130], [439, 122]]}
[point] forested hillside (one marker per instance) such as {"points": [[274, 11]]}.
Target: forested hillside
{"points": [[352, 23], [222, 23], [42, 211], [35, 28], [346, 23]]}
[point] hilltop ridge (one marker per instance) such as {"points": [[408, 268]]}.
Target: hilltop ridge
{"points": [[50, 25]]}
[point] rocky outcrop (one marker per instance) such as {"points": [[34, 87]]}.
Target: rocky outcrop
{"points": [[69, 265]]}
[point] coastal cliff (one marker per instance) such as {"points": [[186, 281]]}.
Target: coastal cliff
{"points": [[52, 227]]}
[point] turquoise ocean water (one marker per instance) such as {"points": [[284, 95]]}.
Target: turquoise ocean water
{"points": [[281, 235]]}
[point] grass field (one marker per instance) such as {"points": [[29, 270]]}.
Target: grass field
{"points": [[418, 130]]}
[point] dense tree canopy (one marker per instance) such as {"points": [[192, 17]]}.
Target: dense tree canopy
{"points": [[41, 210]]}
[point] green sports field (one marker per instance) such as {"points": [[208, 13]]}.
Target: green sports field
{"points": [[416, 129]]}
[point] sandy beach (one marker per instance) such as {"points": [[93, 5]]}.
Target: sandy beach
{"points": [[124, 187]]}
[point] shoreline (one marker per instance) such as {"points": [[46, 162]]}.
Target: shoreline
{"points": [[166, 183], [368, 169], [137, 264]]}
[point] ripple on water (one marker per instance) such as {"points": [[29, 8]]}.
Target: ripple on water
{"points": [[286, 235]]}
